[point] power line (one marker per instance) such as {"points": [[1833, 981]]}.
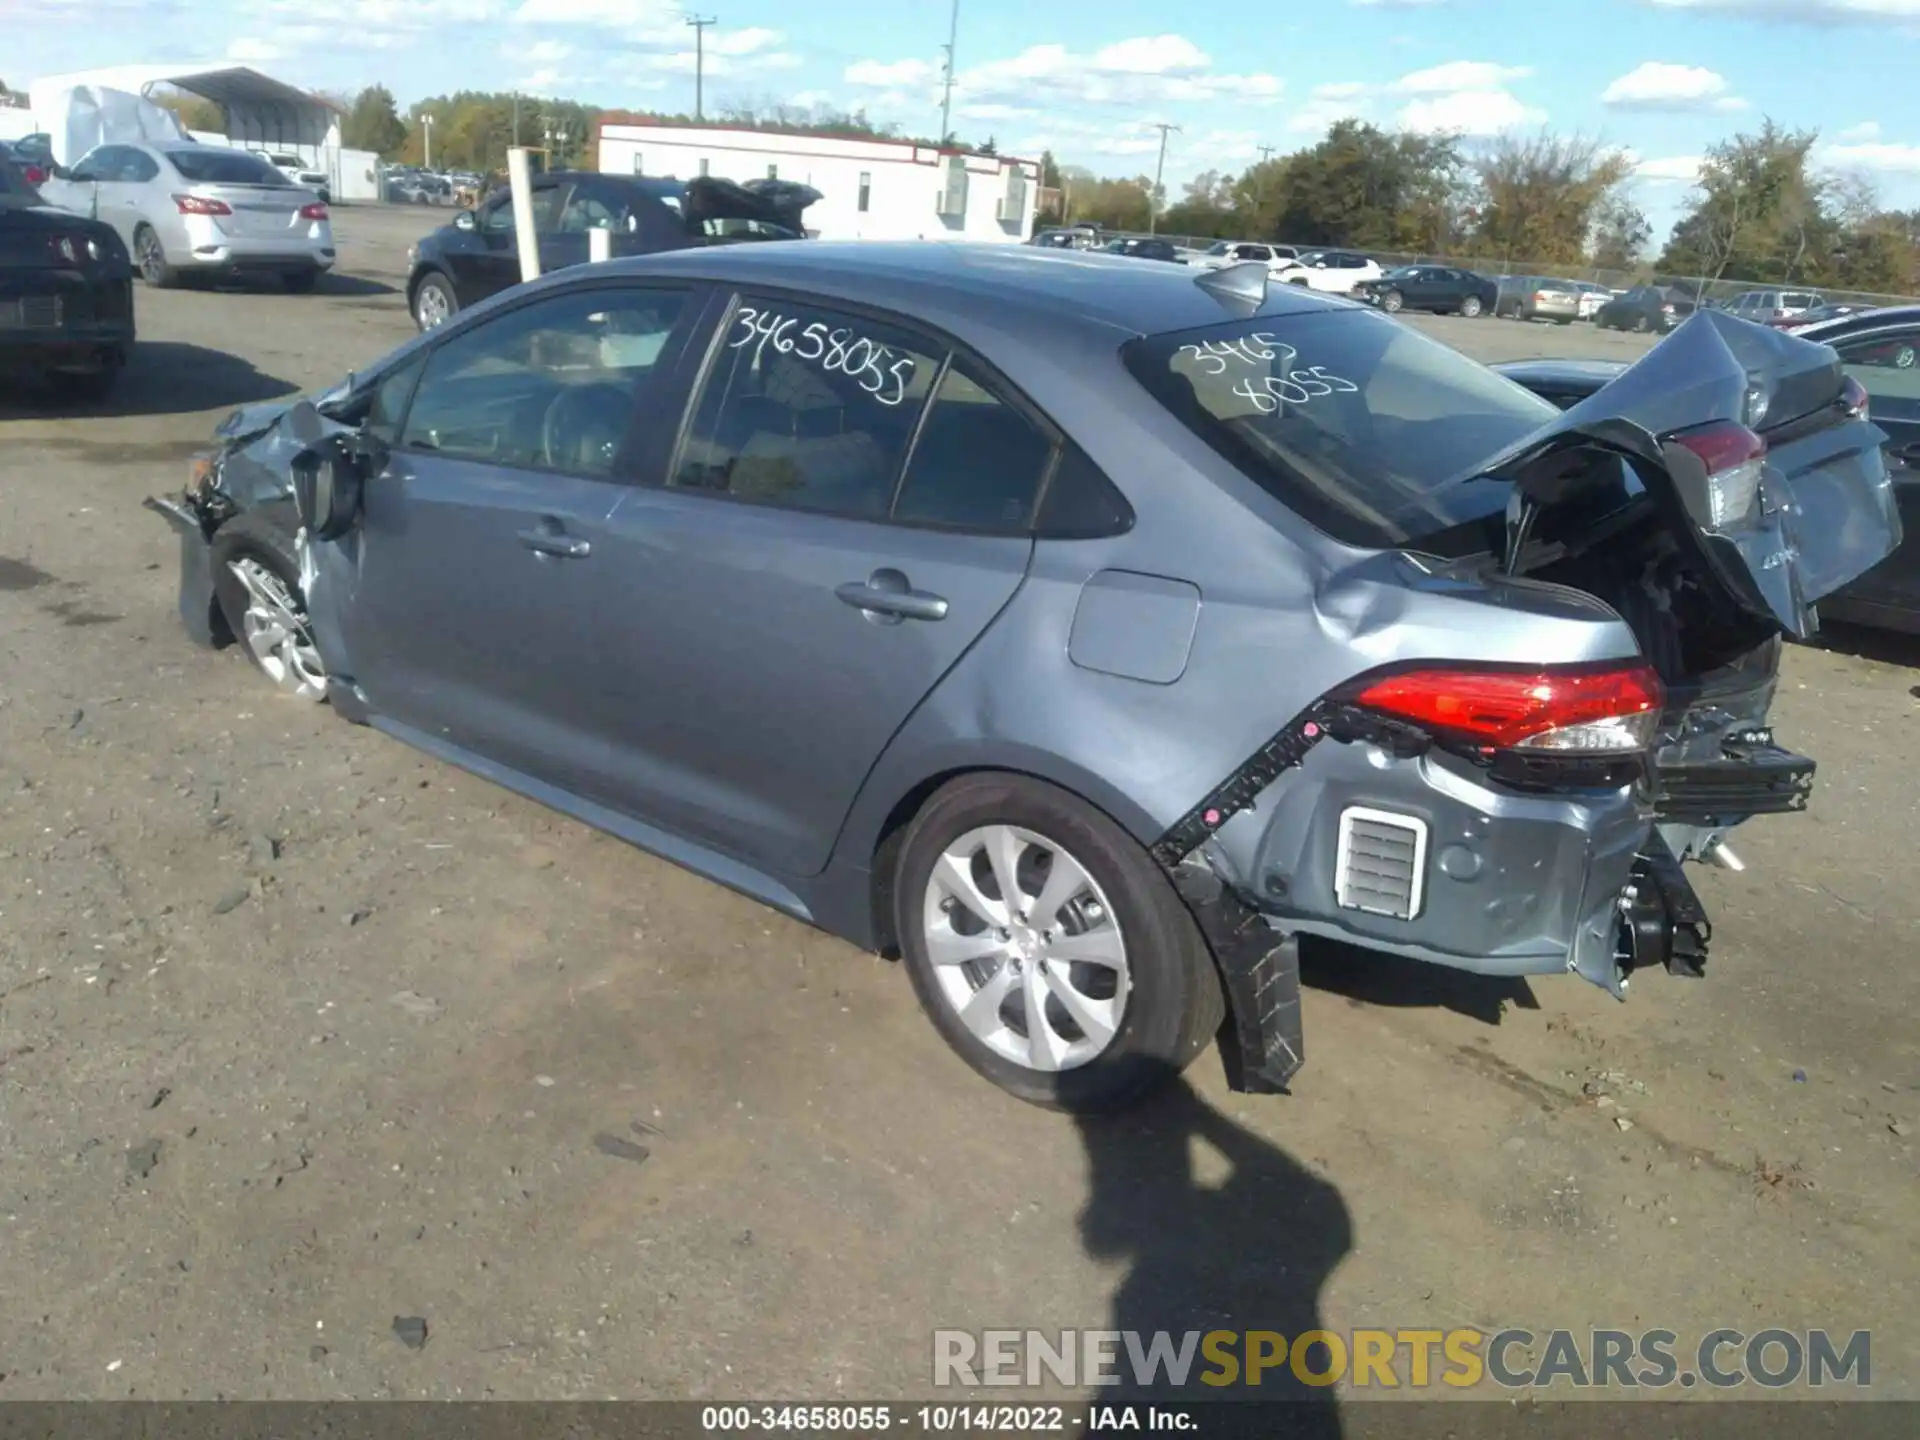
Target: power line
{"points": [[1266, 152], [699, 24], [1153, 200], [946, 90]]}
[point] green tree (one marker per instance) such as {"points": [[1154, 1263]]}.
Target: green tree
{"points": [[1540, 196], [1761, 214], [1620, 235], [373, 122], [1205, 208], [1359, 186]]}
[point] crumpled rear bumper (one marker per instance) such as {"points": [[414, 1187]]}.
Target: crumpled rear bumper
{"points": [[199, 614]]}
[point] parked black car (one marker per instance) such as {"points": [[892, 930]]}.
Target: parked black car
{"points": [[1140, 247], [1647, 309], [1439, 288], [1878, 349], [477, 254], [66, 294]]}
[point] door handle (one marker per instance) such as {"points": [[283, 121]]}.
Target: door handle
{"points": [[553, 542], [888, 597]]}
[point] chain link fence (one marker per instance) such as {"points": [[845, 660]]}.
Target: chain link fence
{"points": [[1493, 266]]}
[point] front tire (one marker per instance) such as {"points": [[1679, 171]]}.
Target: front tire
{"points": [[434, 302], [1393, 302], [256, 580], [1641, 325], [1091, 987]]}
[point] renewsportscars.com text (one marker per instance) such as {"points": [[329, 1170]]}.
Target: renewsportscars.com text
{"points": [[1415, 1359]]}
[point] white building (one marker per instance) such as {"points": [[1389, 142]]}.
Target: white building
{"points": [[871, 189]]}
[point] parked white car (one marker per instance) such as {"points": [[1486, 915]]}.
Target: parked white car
{"points": [[1334, 271], [1223, 253], [299, 172]]}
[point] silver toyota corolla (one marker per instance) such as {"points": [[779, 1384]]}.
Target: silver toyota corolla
{"points": [[1090, 632], [184, 209]]}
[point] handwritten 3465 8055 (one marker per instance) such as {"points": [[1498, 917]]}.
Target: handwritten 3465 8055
{"points": [[1281, 384]]}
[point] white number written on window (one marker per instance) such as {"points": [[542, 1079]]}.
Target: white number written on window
{"points": [[1281, 384], [878, 369]]}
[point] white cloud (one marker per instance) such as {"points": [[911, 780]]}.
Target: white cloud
{"points": [[1326, 104], [1458, 76], [1865, 130], [539, 80], [1472, 113], [886, 75], [1888, 159], [541, 52], [1669, 169], [1145, 70], [748, 41], [1800, 12], [1658, 86]]}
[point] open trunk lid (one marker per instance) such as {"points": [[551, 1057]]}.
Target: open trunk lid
{"points": [[1812, 510], [771, 202]]}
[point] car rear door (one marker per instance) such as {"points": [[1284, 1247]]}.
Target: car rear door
{"points": [[473, 618], [847, 511]]}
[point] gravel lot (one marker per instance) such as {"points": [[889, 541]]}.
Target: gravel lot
{"points": [[301, 1032]]}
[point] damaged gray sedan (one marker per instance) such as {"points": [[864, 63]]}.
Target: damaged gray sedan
{"points": [[1088, 633]]}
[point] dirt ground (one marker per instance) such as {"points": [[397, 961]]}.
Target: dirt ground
{"points": [[301, 1032]]}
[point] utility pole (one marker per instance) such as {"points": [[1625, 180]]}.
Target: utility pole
{"points": [[1266, 151], [426, 124], [1153, 200], [946, 88], [516, 117], [699, 24]]}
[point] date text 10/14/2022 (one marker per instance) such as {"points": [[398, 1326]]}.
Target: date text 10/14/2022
{"points": [[954, 1419]]}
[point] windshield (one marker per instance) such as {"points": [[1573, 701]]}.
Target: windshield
{"points": [[1352, 420], [1219, 247], [213, 166]]}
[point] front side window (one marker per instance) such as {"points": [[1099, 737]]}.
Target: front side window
{"points": [[807, 408], [1364, 427], [1887, 365], [546, 386], [389, 403]]}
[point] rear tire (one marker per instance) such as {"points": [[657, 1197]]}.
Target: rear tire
{"points": [[150, 257], [1157, 991], [1470, 307], [1641, 325], [1393, 302]]}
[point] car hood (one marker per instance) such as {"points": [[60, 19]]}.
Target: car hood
{"points": [[1825, 513]]}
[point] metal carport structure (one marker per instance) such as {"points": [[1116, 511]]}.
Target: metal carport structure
{"points": [[259, 110]]}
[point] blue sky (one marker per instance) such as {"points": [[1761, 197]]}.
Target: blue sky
{"points": [[1659, 78]]}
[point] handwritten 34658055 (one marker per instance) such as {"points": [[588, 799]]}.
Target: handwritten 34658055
{"points": [[879, 371]]}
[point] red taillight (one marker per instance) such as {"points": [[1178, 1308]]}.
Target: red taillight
{"points": [[1609, 709], [197, 205], [36, 175], [1853, 398], [1735, 458], [313, 212]]}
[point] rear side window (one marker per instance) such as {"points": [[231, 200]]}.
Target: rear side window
{"points": [[807, 408], [224, 167], [1364, 427], [978, 462]]}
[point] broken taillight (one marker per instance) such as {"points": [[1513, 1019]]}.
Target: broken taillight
{"points": [[1735, 458], [1609, 709]]}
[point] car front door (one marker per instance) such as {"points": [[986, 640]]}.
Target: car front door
{"points": [[472, 618], [818, 558], [1887, 365]]}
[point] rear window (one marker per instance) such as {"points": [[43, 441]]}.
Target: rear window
{"points": [[224, 167], [1797, 300], [1361, 425]]}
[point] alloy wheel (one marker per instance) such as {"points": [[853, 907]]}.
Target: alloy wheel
{"points": [[278, 633], [1903, 358], [1026, 948], [153, 259], [430, 307]]}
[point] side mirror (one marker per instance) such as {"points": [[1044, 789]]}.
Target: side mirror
{"points": [[464, 220], [327, 479]]}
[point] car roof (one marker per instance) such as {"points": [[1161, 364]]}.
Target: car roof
{"points": [[995, 286], [1864, 320]]}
